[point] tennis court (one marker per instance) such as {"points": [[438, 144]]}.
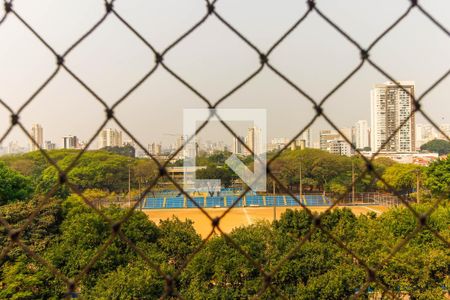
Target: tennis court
{"points": [[239, 216]]}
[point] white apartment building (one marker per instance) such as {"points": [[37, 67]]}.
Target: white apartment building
{"points": [[424, 134], [37, 133], [445, 128], [390, 107], [340, 147], [237, 147], [70, 142], [110, 138], [361, 138], [254, 141]]}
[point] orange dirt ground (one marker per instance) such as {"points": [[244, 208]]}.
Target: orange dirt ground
{"points": [[238, 216]]}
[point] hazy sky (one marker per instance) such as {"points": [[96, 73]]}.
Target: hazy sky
{"points": [[214, 60]]}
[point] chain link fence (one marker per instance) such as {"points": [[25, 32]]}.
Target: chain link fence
{"points": [[266, 275]]}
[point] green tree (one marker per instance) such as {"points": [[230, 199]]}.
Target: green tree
{"points": [[133, 281], [126, 150], [177, 240], [219, 271], [94, 170], [84, 232], [402, 177], [21, 277], [438, 178], [14, 186], [341, 282], [438, 146], [225, 174]]}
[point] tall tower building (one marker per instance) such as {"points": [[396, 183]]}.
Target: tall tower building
{"points": [[362, 134], [70, 142], [254, 141], [390, 107], [237, 146], [306, 136], [37, 133], [110, 138]]}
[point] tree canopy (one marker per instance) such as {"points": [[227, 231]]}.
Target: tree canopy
{"points": [[13, 185], [437, 146], [68, 234]]}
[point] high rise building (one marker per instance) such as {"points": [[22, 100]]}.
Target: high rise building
{"points": [[445, 128], [155, 149], [424, 134], [49, 145], [340, 147], [326, 136], [70, 142], [333, 142], [306, 136], [110, 138], [237, 147], [253, 140], [37, 133], [362, 134], [391, 105]]}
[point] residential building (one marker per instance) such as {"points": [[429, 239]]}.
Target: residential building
{"points": [[237, 147], [340, 147], [306, 136], [326, 136], [49, 145], [424, 134], [361, 138], [333, 142], [254, 141], [37, 134], [110, 138], [155, 149], [391, 106], [445, 128], [70, 142]]}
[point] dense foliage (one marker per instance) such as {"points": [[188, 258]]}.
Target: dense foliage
{"points": [[321, 171], [69, 234], [103, 170], [13, 185], [437, 146]]}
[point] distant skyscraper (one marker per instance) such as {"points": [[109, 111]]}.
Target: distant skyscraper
{"points": [[70, 142], [446, 129], [333, 142], [49, 145], [253, 140], [340, 147], [110, 138], [237, 147], [390, 107], [326, 136], [424, 134], [362, 134], [277, 143], [37, 133], [155, 149], [307, 137]]}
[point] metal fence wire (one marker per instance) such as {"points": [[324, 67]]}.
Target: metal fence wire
{"points": [[264, 57]]}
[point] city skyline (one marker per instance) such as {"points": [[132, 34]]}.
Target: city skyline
{"points": [[329, 140], [214, 60]]}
